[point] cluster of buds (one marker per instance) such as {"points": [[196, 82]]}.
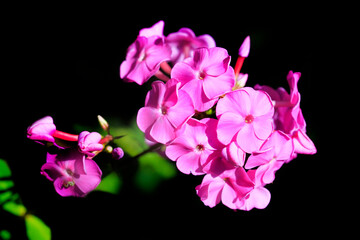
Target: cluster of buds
{"points": [[70, 165], [210, 122]]}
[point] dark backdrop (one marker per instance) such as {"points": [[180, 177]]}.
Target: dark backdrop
{"points": [[65, 63]]}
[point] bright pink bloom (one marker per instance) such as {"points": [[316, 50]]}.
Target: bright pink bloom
{"points": [[184, 42], [288, 115], [258, 197], [155, 30], [245, 116], [42, 130], [195, 147], [89, 142], [205, 76], [229, 187], [166, 109], [143, 59], [275, 151], [66, 170]]}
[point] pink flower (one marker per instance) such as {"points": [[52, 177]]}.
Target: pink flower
{"points": [[155, 30], [288, 114], [184, 42], [195, 147], [66, 170], [205, 76], [275, 151], [166, 109], [230, 187], [42, 130], [258, 197], [89, 142], [143, 58], [245, 116]]}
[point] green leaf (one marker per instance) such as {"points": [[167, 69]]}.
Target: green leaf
{"points": [[15, 208], [4, 169], [6, 184], [152, 170], [5, 234], [110, 184], [36, 229]]}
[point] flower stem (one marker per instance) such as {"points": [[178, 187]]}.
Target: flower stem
{"points": [[238, 65], [161, 76], [165, 67], [65, 136], [152, 148]]}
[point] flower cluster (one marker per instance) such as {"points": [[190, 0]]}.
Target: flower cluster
{"points": [[209, 121], [70, 165]]}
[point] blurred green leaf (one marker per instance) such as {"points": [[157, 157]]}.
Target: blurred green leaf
{"points": [[36, 229], [5, 234], [5, 196], [111, 183], [4, 169], [6, 184], [152, 170], [15, 208]]}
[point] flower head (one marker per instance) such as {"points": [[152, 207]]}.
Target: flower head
{"points": [[66, 170], [184, 42], [205, 76], [42, 130], [195, 146], [143, 59], [166, 109], [89, 142], [245, 116]]}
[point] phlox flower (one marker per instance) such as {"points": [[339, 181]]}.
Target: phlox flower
{"points": [[195, 147], [66, 170], [42, 130], [245, 116], [145, 55], [166, 109], [89, 142], [275, 151], [205, 76], [184, 42], [258, 197], [229, 187], [288, 115]]}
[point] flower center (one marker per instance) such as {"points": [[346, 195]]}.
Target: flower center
{"points": [[163, 110], [202, 75], [68, 171], [249, 118], [200, 148], [67, 184]]}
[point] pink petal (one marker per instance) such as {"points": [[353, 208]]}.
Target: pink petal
{"points": [[303, 144], [262, 127], [228, 126], [183, 109], [217, 86], [183, 72], [155, 30], [209, 190], [228, 196], [189, 163], [146, 117], [247, 140], [261, 104], [162, 130], [257, 198], [155, 96]]}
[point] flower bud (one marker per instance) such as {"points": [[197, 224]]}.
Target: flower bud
{"points": [[42, 130], [103, 123], [117, 153]]}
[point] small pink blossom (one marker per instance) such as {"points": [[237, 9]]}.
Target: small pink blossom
{"points": [[205, 76], [275, 151], [143, 59], [42, 130], [258, 197], [245, 116], [230, 187], [184, 42], [117, 153], [66, 170], [195, 147], [288, 115], [89, 142], [166, 109]]}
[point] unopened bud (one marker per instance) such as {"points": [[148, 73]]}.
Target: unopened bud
{"points": [[117, 153], [103, 123]]}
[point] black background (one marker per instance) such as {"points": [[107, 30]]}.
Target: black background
{"points": [[64, 62]]}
